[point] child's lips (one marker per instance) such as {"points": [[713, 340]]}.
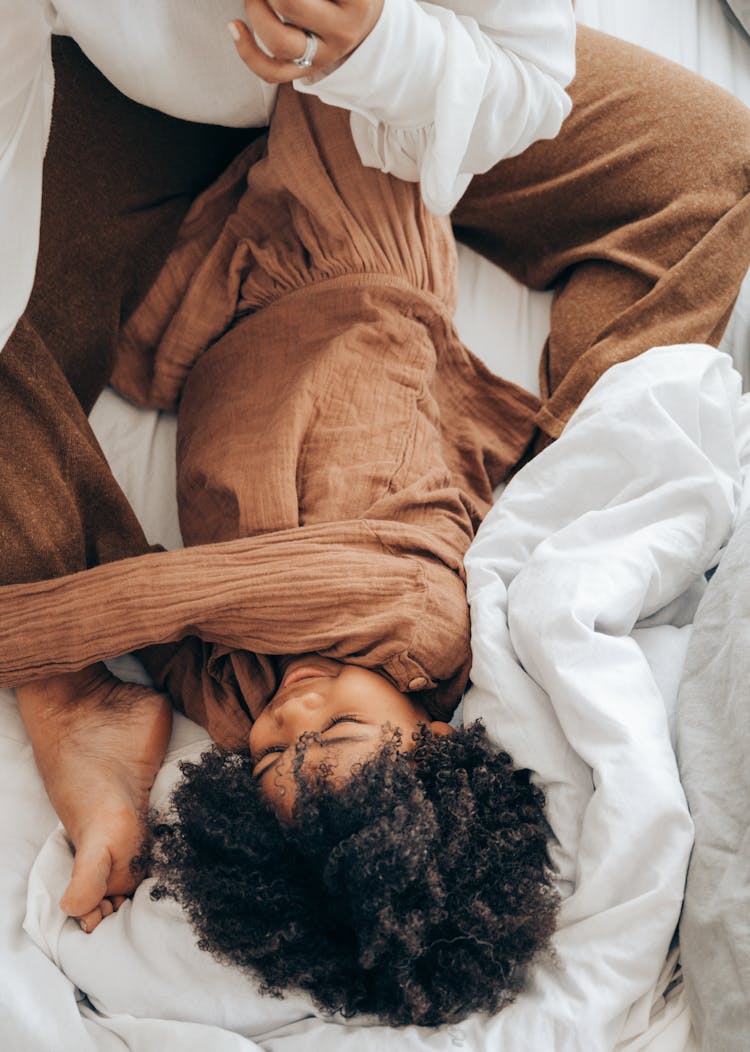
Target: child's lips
{"points": [[296, 675]]}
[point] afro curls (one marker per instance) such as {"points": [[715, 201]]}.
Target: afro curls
{"points": [[419, 890]]}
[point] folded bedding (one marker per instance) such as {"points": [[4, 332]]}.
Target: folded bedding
{"points": [[591, 560]]}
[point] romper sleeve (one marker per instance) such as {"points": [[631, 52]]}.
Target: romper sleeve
{"points": [[26, 84], [382, 594], [439, 93]]}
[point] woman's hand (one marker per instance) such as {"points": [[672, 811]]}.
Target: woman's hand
{"points": [[281, 28]]}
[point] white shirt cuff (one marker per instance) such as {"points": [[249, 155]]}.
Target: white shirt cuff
{"points": [[393, 72]]}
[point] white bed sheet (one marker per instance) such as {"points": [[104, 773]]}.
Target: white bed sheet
{"points": [[504, 324]]}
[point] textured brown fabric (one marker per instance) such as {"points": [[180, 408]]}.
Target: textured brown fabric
{"points": [[60, 508], [118, 180], [302, 352], [637, 214]]}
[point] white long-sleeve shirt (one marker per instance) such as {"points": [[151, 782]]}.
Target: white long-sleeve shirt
{"points": [[437, 93]]}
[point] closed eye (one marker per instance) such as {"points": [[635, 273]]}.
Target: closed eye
{"points": [[340, 719], [347, 718], [268, 751]]}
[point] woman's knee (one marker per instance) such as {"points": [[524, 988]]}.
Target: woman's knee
{"points": [[650, 158], [676, 130]]}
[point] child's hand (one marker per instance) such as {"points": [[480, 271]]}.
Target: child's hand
{"points": [[98, 744], [279, 35], [102, 878]]}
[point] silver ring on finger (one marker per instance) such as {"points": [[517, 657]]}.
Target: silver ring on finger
{"points": [[311, 46]]}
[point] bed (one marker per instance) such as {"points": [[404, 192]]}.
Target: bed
{"points": [[616, 802]]}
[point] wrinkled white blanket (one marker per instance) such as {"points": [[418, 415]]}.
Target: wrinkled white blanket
{"points": [[614, 524], [611, 527]]}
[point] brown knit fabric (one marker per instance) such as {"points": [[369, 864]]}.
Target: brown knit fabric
{"points": [[637, 214], [107, 225]]}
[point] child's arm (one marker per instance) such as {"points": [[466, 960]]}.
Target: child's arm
{"points": [[390, 595], [440, 93]]}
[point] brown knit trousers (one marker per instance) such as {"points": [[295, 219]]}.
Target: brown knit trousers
{"points": [[118, 179], [638, 215]]}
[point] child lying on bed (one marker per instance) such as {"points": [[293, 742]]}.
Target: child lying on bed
{"points": [[337, 447]]}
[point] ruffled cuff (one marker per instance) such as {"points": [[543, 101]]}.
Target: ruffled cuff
{"points": [[391, 77]]}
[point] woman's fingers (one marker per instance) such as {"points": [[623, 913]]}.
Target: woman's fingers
{"points": [[276, 34], [341, 24], [282, 41], [255, 58], [272, 70]]}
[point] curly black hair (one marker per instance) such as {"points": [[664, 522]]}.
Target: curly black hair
{"points": [[419, 890]]}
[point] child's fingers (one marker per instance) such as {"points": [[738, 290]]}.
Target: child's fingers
{"points": [[88, 885], [90, 920]]}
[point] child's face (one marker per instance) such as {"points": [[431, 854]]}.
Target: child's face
{"points": [[347, 705]]}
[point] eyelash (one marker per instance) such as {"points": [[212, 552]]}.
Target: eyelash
{"points": [[346, 718], [267, 752]]}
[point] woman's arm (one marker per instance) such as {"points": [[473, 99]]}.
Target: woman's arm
{"points": [[440, 93], [26, 82]]}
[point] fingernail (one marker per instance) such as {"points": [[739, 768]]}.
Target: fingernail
{"points": [[233, 31], [84, 926]]}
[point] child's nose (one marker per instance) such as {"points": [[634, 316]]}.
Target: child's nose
{"points": [[297, 710]]}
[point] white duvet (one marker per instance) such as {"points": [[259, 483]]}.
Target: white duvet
{"points": [[614, 524]]}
